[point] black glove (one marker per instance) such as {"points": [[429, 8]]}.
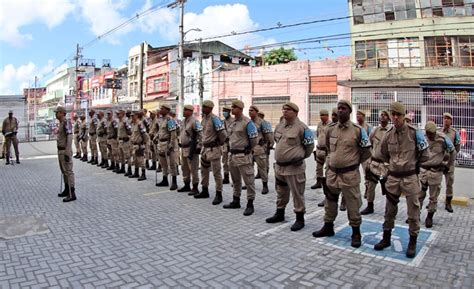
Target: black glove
{"points": [[67, 158]]}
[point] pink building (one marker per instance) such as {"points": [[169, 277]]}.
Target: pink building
{"points": [[312, 85]]}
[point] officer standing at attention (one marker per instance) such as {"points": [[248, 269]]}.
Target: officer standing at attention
{"points": [[242, 139], [9, 131], [102, 138], [348, 146], [431, 173], [405, 148], [124, 130], [264, 139], [190, 142], [139, 139], [167, 144], [84, 138], [228, 119], [152, 130], [213, 137], [271, 141], [321, 150], [93, 123], [112, 143], [77, 129], [64, 144], [294, 143], [376, 170], [453, 135]]}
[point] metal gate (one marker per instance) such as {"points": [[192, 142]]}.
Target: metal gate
{"points": [[271, 106]]}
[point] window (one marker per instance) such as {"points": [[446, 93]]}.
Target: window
{"points": [[318, 102], [438, 51], [160, 84], [271, 106], [372, 11], [446, 8], [403, 52], [465, 51]]}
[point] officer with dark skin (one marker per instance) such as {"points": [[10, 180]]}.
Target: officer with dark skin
{"points": [[228, 119], [64, 145]]}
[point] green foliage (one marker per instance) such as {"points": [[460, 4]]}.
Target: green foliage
{"points": [[279, 55]]}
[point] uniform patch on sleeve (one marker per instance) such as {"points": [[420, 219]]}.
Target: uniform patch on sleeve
{"points": [[448, 144], [218, 124], [421, 142], [171, 125], [364, 138], [114, 124], [266, 127], [68, 127], [127, 125], [197, 126], [308, 137], [252, 130], [457, 138], [142, 128]]}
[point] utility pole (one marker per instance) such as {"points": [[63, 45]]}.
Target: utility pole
{"points": [[181, 59], [201, 82], [140, 76], [34, 108], [76, 92]]}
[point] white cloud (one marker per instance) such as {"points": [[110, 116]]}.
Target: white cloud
{"points": [[164, 20], [15, 14]]}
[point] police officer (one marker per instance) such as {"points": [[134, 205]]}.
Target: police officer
{"points": [[139, 139], [93, 123], [271, 141], [77, 129], [243, 137], [9, 131], [64, 144], [321, 150], [376, 170], [294, 143], [152, 131], [102, 138], [190, 143], [264, 139], [84, 138], [403, 147], [213, 137], [453, 135], [431, 173], [348, 146], [228, 119], [112, 142], [124, 130], [167, 140]]}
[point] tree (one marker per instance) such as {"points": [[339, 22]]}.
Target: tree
{"points": [[279, 55]]}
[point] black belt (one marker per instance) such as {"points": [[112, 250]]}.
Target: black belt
{"points": [[124, 138], [376, 160], [162, 139], [236, 152], [185, 146], [61, 148], [290, 163], [210, 145], [91, 134], [436, 168], [344, 170], [402, 174]]}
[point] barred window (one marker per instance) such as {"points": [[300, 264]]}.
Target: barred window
{"points": [[446, 8], [372, 11], [402, 52]]}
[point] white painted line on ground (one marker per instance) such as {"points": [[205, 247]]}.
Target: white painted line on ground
{"points": [[287, 224], [40, 157], [155, 193]]}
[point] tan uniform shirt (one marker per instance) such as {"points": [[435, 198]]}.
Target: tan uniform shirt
{"points": [[139, 135], [123, 129], [294, 143], [112, 126], [102, 129], [84, 131], [77, 127], [440, 150], [64, 140], [190, 135], [10, 126], [153, 130], [378, 167], [93, 123], [213, 131], [321, 134], [264, 138], [167, 133]]}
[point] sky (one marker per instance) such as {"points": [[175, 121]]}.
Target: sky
{"points": [[39, 37]]}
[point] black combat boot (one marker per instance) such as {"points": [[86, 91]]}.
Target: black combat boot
{"points": [[204, 194], [77, 155], [258, 176], [147, 164], [322, 203], [143, 176], [411, 250], [217, 198], [429, 220], [105, 164], [95, 161], [91, 160], [84, 158], [385, 242], [194, 190], [226, 181], [448, 206], [235, 204], [369, 210], [279, 216], [153, 166], [356, 238], [174, 184], [65, 192], [17, 159], [159, 169], [164, 182], [71, 197], [265, 188], [135, 174], [3, 156], [7, 161], [129, 171], [299, 223], [326, 231], [343, 205], [249, 209], [185, 188], [318, 184]]}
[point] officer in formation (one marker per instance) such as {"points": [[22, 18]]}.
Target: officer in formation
{"points": [[9, 131], [151, 133], [320, 154], [77, 130], [264, 141], [243, 138], [64, 145], [124, 130], [112, 142], [139, 140], [271, 143], [228, 119], [93, 123], [84, 138], [101, 132]]}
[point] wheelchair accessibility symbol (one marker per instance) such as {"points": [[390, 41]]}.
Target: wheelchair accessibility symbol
{"points": [[372, 234]]}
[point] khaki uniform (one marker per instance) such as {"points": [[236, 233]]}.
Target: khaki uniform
{"points": [[225, 147], [102, 138], [402, 148], [84, 138], [453, 135], [9, 130], [64, 145], [243, 138], [190, 140], [93, 123], [167, 140], [431, 172], [146, 122], [376, 168], [321, 150], [153, 131], [213, 136], [348, 146], [139, 139], [294, 143], [265, 140], [123, 134], [368, 130], [112, 141], [77, 129]]}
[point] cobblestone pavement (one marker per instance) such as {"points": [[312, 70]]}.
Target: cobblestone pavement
{"points": [[124, 233]]}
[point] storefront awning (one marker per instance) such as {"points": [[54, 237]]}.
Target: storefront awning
{"points": [[448, 86]]}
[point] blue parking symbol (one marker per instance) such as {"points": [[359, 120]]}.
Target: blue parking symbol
{"points": [[372, 233]]}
